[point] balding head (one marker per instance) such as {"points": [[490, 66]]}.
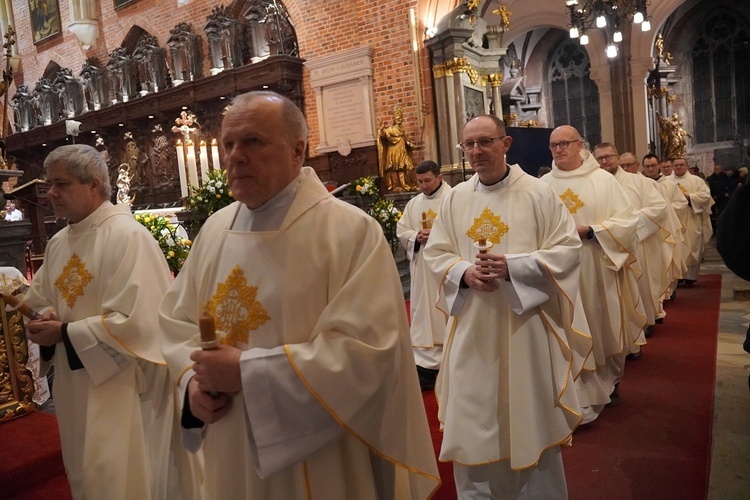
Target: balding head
{"points": [[629, 163], [565, 144]]}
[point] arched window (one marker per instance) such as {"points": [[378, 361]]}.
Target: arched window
{"points": [[575, 96], [721, 78]]}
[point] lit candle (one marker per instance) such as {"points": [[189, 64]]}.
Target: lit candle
{"points": [[204, 162], [181, 168], [215, 155], [192, 166]]}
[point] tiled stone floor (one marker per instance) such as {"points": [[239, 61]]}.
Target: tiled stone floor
{"points": [[730, 453]]}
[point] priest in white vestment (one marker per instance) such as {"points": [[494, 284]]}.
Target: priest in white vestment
{"points": [[607, 226], [698, 228], [99, 288], [677, 207], [515, 338], [653, 238], [427, 327], [312, 392]]}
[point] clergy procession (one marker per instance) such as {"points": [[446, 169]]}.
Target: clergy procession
{"points": [[528, 297]]}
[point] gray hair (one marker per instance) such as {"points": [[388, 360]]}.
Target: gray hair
{"points": [[84, 163], [292, 117]]}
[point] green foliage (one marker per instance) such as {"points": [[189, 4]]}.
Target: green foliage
{"points": [[211, 196], [174, 247], [366, 192]]}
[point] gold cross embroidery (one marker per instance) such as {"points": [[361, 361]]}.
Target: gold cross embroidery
{"points": [[428, 218], [73, 280], [572, 201], [487, 226], [235, 308]]}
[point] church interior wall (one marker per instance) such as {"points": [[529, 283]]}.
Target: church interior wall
{"points": [[328, 27]]}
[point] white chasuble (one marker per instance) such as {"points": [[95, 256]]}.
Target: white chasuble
{"points": [[105, 276], [698, 221], [609, 271], [323, 291], [655, 244], [678, 208], [427, 321], [505, 390]]}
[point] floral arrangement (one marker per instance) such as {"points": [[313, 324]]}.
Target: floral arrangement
{"points": [[366, 195], [212, 195], [174, 247], [364, 187], [387, 215]]}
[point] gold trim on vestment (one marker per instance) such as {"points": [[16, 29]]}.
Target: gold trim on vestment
{"points": [[346, 427]]}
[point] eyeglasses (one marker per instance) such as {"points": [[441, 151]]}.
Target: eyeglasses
{"points": [[627, 165], [483, 143], [561, 144], [604, 158]]}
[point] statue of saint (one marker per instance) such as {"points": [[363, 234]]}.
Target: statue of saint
{"points": [[394, 155], [673, 137], [123, 185]]}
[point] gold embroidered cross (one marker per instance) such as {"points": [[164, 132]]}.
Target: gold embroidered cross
{"points": [[487, 226], [571, 200], [235, 309], [73, 280]]}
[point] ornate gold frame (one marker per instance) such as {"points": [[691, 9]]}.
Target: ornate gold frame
{"points": [[16, 382]]}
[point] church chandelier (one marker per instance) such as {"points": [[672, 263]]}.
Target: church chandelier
{"points": [[611, 16]]}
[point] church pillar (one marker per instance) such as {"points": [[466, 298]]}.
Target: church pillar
{"points": [[639, 72], [496, 81], [601, 76]]}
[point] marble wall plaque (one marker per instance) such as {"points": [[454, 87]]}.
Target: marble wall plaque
{"points": [[343, 92]]}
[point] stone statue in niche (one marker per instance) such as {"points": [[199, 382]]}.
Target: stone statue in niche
{"points": [[48, 101], [71, 93], [96, 84], [225, 36], [270, 31], [123, 75], [186, 54], [24, 110], [151, 61], [394, 154]]}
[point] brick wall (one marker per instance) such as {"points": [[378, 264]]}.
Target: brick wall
{"points": [[323, 27]]}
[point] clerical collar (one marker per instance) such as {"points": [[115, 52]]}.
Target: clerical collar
{"points": [[93, 219], [503, 182], [270, 215], [435, 191]]}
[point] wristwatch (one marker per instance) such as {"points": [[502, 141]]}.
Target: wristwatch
{"points": [[590, 234]]}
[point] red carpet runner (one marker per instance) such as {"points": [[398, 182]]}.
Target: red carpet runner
{"points": [[657, 442], [30, 459]]}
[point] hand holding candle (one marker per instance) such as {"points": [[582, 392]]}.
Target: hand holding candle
{"points": [[17, 305], [207, 328]]}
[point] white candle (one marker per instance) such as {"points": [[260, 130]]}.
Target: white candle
{"points": [[192, 166], [215, 155], [181, 168], [204, 162]]}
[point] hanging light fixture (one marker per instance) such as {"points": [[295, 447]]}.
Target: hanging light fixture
{"points": [[607, 15]]}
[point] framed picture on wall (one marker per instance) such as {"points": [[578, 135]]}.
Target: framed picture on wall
{"points": [[45, 19], [123, 3]]}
